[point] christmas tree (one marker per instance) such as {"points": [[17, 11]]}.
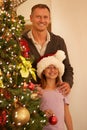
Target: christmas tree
{"points": [[19, 100]]}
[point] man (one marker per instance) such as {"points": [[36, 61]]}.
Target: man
{"points": [[41, 43]]}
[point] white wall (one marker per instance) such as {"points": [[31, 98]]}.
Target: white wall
{"points": [[69, 20]]}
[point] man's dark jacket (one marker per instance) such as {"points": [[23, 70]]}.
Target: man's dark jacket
{"points": [[56, 43]]}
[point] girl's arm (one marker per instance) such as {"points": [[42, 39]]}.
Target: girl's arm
{"points": [[67, 117]]}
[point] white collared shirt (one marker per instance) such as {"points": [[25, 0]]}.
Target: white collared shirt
{"points": [[41, 49]]}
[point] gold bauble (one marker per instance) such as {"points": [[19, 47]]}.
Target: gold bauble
{"points": [[21, 116], [34, 96]]}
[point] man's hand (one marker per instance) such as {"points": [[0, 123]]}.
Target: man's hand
{"points": [[64, 88]]}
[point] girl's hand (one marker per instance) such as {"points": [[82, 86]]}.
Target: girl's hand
{"points": [[39, 90], [48, 112]]}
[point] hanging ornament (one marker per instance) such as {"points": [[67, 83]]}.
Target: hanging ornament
{"points": [[7, 95], [31, 86], [53, 120], [34, 96], [24, 47], [25, 85], [1, 84], [21, 116], [3, 117]]}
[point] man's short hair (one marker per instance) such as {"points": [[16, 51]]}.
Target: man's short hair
{"points": [[39, 6]]}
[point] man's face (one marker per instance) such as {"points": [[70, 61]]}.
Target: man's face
{"points": [[40, 19]]}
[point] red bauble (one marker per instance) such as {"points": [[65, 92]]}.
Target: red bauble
{"points": [[31, 86], [24, 45], [53, 120]]}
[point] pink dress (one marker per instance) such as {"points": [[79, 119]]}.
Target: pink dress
{"points": [[52, 99]]}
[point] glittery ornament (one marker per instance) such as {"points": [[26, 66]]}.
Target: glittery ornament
{"points": [[52, 120], [21, 116], [31, 86], [34, 96]]}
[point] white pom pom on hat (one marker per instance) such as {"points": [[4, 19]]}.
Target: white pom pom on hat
{"points": [[60, 55], [55, 59]]}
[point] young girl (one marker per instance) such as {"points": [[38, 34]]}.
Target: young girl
{"points": [[51, 69]]}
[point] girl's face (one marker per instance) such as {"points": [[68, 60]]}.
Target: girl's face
{"points": [[51, 72]]}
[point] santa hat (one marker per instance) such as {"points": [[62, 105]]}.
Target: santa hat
{"points": [[55, 59]]}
